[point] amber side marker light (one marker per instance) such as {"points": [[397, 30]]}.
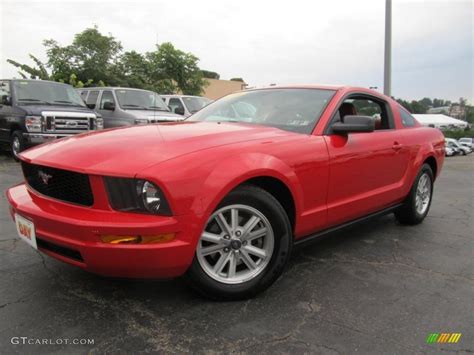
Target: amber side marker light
{"points": [[137, 239]]}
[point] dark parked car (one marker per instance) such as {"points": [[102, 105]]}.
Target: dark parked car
{"points": [[127, 106], [36, 111]]}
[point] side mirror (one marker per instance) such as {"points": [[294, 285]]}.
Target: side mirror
{"points": [[354, 124], [179, 110], [6, 100], [109, 105]]}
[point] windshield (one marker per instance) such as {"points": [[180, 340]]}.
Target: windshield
{"points": [[465, 140], [140, 100], [296, 110], [46, 92], [194, 104], [453, 144]]}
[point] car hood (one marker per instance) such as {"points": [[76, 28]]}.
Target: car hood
{"points": [[156, 115], [36, 110], [126, 151]]}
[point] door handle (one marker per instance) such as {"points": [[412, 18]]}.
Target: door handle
{"points": [[397, 146]]}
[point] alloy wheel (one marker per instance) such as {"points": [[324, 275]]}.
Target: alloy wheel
{"points": [[423, 194], [236, 245]]}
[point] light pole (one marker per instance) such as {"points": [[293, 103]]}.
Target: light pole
{"points": [[387, 70]]}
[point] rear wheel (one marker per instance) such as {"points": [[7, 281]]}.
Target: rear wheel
{"points": [[416, 206], [17, 144], [244, 246]]}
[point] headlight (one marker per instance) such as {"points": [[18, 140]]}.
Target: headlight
{"points": [[33, 123], [141, 121], [151, 196], [99, 123], [134, 195]]}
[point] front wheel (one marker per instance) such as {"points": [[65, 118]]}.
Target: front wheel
{"points": [[17, 144], [244, 246], [416, 206]]}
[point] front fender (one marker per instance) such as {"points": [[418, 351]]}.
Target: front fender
{"points": [[235, 170]]}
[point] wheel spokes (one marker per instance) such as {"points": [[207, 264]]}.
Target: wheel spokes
{"points": [[223, 225], [236, 245], [211, 249], [245, 257], [260, 253]]}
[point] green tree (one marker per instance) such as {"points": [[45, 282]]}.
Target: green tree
{"points": [[38, 72], [210, 74], [426, 101], [176, 69], [91, 56], [237, 79], [93, 59], [418, 107]]}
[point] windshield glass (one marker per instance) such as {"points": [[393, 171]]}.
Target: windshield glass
{"points": [[46, 92], [140, 100], [296, 110], [194, 104], [465, 140]]}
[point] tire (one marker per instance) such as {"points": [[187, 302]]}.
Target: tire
{"points": [[249, 276], [17, 144], [410, 212]]}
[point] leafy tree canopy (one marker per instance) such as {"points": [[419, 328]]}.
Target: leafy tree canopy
{"points": [[93, 59]]}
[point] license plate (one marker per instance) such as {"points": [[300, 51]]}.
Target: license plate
{"points": [[26, 230]]}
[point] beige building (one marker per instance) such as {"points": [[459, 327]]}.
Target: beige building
{"points": [[218, 88]]}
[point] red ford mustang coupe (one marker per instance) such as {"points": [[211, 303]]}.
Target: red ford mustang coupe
{"points": [[223, 196]]}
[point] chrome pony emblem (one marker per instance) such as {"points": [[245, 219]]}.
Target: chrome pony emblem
{"points": [[44, 177]]}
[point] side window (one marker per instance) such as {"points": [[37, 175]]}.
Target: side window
{"points": [[175, 103], [107, 96], [92, 99], [365, 106], [4, 89], [407, 119]]}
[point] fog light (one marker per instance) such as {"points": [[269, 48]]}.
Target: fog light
{"points": [[137, 239]]}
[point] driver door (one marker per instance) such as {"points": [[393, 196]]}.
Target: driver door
{"points": [[366, 168]]}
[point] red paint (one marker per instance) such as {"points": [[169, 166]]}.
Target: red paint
{"points": [[332, 178]]}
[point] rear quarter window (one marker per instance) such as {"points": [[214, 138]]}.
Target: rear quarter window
{"points": [[407, 119]]}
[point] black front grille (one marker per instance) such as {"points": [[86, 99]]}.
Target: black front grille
{"points": [[60, 184]]}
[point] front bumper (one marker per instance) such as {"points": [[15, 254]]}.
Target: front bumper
{"points": [[39, 138], [72, 234]]}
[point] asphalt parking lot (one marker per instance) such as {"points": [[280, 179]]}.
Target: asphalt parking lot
{"points": [[376, 288]]}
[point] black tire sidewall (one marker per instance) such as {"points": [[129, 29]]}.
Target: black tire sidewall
{"points": [[270, 207], [18, 134], [424, 169], [407, 213]]}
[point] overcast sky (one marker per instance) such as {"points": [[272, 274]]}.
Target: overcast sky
{"points": [[332, 41]]}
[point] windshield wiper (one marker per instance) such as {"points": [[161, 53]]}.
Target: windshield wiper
{"points": [[67, 102], [135, 106], [36, 100], [158, 108]]}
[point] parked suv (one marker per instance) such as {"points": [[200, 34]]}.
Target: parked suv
{"points": [[127, 106], [36, 111], [468, 142], [185, 105]]}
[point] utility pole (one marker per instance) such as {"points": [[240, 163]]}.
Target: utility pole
{"points": [[387, 70]]}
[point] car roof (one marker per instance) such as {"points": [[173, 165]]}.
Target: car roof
{"points": [[112, 88], [173, 95], [36, 80], [302, 86]]}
